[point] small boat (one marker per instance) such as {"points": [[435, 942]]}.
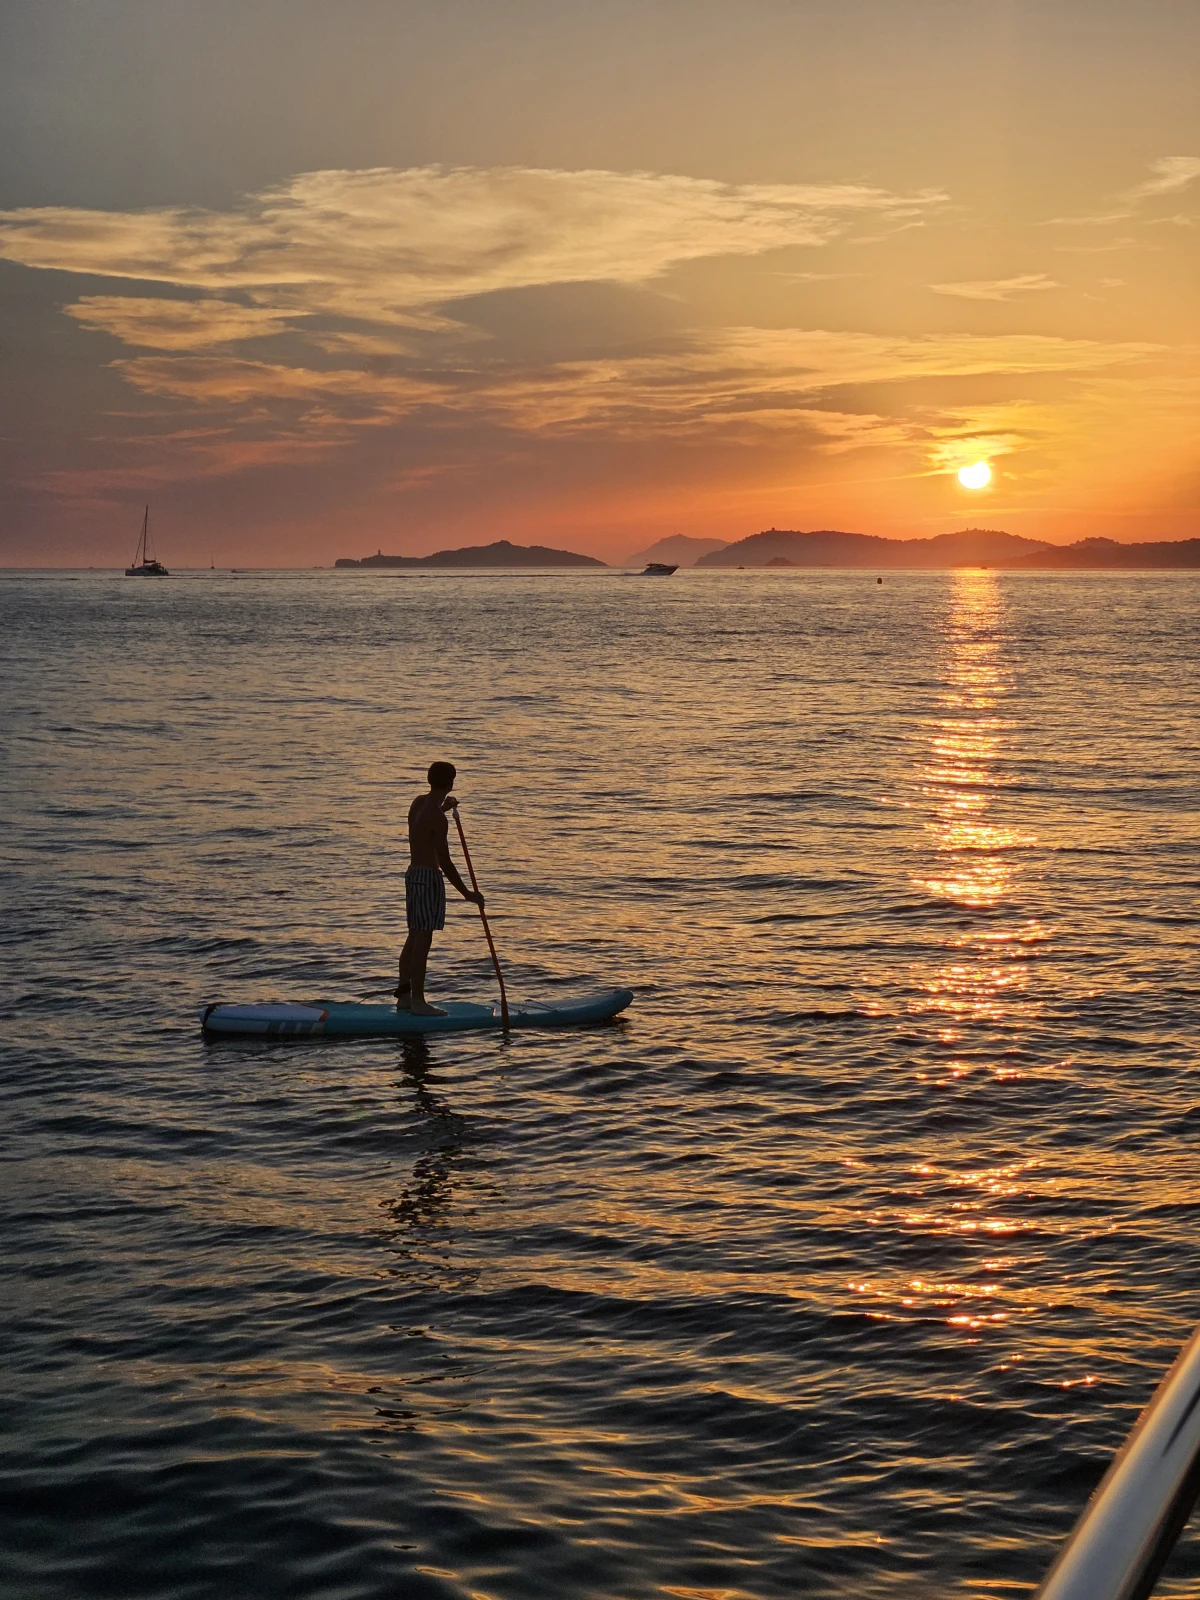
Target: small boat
{"points": [[144, 564], [657, 569]]}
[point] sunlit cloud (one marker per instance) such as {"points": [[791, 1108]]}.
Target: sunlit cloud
{"points": [[984, 433], [1108, 246], [360, 283], [997, 288], [386, 245], [160, 462], [732, 385], [352, 345], [358, 264], [175, 324], [1169, 174]]}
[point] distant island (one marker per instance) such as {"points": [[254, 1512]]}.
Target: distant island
{"points": [[1097, 554], [972, 547], [827, 547], [500, 554], [681, 549]]}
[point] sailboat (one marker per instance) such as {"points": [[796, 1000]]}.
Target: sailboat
{"points": [[144, 564]]}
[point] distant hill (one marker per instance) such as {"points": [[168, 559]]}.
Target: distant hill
{"points": [[1098, 554], [827, 547], [680, 548], [500, 554]]}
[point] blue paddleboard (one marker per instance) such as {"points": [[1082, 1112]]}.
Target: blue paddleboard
{"points": [[329, 1019]]}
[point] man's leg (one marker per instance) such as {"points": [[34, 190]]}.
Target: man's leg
{"points": [[404, 977], [417, 1004]]}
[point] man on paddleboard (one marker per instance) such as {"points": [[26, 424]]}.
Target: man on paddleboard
{"points": [[425, 887]]}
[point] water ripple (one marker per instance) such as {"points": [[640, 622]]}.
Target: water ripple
{"points": [[838, 1267]]}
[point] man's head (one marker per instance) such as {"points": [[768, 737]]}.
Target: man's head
{"points": [[441, 776]]}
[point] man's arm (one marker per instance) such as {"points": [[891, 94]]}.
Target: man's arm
{"points": [[448, 867]]}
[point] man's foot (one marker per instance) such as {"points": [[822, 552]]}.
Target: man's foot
{"points": [[403, 993], [422, 1008]]}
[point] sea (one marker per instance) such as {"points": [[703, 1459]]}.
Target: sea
{"points": [[838, 1266]]}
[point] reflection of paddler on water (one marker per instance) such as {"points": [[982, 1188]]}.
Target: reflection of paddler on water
{"points": [[425, 886]]}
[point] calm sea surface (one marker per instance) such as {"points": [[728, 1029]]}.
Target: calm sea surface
{"points": [[837, 1268]]}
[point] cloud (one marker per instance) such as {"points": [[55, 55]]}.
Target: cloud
{"points": [[1169, 175], [362, 346], [731, 383], [227, 384], [362, 264], [997, 288], [360, 272], [175, 458], [390, 246], [988, 432], [819, 277], [175, 324], [1126, 242]]}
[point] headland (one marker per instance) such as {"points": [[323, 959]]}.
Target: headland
{"points": [[499, 554], [972, 547]]}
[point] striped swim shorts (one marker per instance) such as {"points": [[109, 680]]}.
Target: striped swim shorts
{"points": [[425, 899]]}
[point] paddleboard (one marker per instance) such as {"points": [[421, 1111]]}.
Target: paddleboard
{"points": [[327, 1019]]}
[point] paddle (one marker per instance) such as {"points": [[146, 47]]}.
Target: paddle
{"points": [[462, 839]]}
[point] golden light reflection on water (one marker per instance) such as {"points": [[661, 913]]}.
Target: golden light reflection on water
{"points": [[975, 992], [974, 865], [975, 845]]}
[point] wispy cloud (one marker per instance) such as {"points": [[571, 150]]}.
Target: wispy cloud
{"points": [[1168, 174], [171, 459], [997, 288], [356, 278], [1107, 247], [390, 246], [988, 431], [176, 324], [732, 383], [356, 262]]}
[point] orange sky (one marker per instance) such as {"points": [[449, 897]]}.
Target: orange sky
{"points": [[314, 280]]}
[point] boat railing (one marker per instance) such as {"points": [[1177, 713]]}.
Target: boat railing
{"points": [[1129, 1527]]}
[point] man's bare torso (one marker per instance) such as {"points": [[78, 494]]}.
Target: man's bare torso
{"points": [[427, 832]]}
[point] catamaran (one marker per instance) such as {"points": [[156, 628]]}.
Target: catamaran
{"points": [[144, 564]]}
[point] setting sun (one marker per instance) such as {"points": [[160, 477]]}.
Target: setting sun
{"points": [[977, 476]]}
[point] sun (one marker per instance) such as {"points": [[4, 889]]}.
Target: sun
{"points": [[977, 476]]}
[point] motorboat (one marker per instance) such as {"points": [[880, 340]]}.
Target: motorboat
{"points": [[657, 569]]}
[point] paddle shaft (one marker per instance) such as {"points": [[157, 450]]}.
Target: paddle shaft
{"points": [[487, 932]]}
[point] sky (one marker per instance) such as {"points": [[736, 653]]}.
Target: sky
{"points": [[316, 280]]}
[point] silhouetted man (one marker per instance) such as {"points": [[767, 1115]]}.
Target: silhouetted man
{"points": [[425, 887]]}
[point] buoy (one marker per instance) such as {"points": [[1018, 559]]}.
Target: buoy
{"points": [[878, 580]]}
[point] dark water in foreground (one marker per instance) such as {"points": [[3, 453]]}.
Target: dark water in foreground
{"points": [[838, 1269]]}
